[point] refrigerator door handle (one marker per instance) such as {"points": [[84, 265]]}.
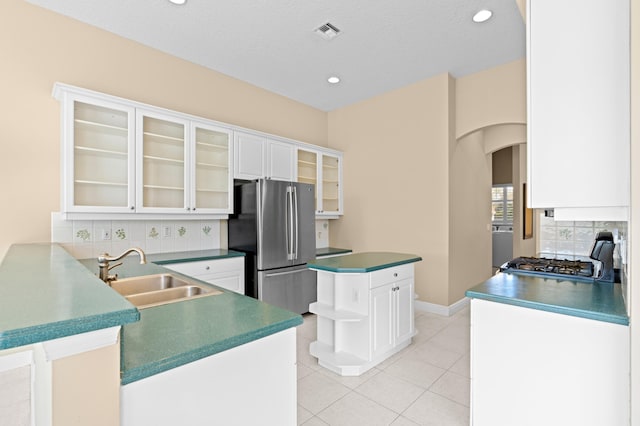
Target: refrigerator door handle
{"points": [[295, 224], [289, 225]]}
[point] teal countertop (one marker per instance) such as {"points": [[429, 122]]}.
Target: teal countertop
{"points": [[191, 256], [362, 262], [175, 334], [597, 301], [46, 294], [331, 251]]}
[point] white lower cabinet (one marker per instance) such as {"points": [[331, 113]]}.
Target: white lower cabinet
{"points": [[251, 384], [226, 273], [532, 367], [392, 315], [363, 318]]}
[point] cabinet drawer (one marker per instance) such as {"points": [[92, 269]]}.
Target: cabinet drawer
{"points": [[389, 275], [233, 282], [207, 267]]}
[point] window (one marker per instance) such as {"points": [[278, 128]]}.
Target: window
{"points": [[502, 204]]}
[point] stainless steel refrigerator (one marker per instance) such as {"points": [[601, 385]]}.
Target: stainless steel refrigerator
{"points": [[274, 225]]}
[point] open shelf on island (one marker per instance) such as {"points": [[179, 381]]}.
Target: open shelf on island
{"points": [[327, 311]]}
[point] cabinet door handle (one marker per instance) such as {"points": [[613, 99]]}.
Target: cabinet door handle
{"points": [[207, 268], [395, 274], [132, 207]]}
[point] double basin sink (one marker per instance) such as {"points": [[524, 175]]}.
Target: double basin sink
{"points": [[159, 289]]}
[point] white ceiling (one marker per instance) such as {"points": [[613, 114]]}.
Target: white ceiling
{"points": [[383, 44]]}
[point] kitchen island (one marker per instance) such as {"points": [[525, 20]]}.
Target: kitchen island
{"points": [[548, 351], [223, 342], [364, 308]]}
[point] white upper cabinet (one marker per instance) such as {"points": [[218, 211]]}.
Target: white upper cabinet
{"points": [[324, 170], [578, 104], [162, 154], [257, 157], [330, 190], [211, 182], [123, 157], [98, 155], [249, 154], [280, 161], [183, 166]]}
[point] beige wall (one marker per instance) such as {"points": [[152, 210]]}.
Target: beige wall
{"points": [[40, 47], [491, 97], [504, 135], [470, 215], [86, 388], [401, 158], [396, 185]]}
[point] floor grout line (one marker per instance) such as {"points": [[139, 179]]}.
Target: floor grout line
{"points": [[446, 326]]}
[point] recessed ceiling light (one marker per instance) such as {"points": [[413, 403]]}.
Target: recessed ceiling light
{"points": [[179, 2], [482, 15], [333, 79]]}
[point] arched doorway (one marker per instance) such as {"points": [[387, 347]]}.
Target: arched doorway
{"points": [[471, 184]]}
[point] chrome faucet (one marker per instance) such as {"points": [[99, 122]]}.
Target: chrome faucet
{"points": [[104, 259]]}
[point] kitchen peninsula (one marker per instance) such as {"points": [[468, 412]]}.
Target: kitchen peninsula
{"points": [[548, 351], [53, 302], [364, 308]]}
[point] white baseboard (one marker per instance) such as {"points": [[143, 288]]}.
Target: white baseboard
{"points": [[434, 308]]}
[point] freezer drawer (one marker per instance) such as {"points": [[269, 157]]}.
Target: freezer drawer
{"points": [[289, 288]]}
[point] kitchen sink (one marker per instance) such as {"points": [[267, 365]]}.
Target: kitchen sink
{"points": [[154, 290]]}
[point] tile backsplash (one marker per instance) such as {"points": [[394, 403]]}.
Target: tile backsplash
{"points": [[322, 233], [571, 240], [91, 238]]}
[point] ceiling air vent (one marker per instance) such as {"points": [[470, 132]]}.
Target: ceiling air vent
{"points": [[327, 31]]}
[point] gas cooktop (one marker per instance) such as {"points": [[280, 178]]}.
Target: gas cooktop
{"points": [[553, 267]]}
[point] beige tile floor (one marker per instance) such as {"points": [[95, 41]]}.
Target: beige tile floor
{"points": [[425, 384]]}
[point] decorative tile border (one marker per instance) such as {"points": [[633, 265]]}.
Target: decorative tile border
{"points": [[84, 239]]}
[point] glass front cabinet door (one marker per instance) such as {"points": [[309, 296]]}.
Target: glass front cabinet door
{"points": [[324, 170], [162, 158], [211, 182], [98, 146], [331, 199], [308, 170]]}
